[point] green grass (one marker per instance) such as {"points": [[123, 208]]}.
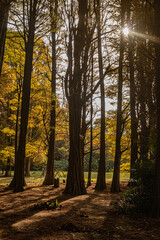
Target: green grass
{"points": [[109, 175], [36, 177]]}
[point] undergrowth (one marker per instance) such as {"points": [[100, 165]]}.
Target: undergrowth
{"points": [[138, 199], [47, 206]]}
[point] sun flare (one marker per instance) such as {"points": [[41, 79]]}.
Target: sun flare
{"points": [[126, 31]]}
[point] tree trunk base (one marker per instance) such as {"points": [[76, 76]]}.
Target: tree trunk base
{"points": [[115, 188], [75, 190], [12, 186], [100, 186], [56, 183], [48, 181]]}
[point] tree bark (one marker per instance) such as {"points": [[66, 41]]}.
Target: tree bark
{"points": [[101, 178], [17, 119], [19, 164], [116, 174], [84, 106], [28, 166], [91, 133], [49, 177], [75, 178], [144, 136], [83, 135], [12, 184]]}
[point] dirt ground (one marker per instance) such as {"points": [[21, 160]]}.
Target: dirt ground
{"points": [[91, 216]]}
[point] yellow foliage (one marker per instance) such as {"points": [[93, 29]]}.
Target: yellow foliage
{"points": [[125, 167], [8, 131], [8, 151]]}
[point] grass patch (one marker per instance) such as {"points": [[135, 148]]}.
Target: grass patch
{"points": [[36, 177]]}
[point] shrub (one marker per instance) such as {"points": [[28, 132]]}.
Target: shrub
{"points": [[47, 205], [62, 164], [139, 199]]}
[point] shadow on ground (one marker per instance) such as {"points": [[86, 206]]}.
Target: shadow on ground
{"points": [[91, 216]]}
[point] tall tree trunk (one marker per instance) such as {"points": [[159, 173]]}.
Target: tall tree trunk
{"points": [[17, 121], [144, 137], [91, 133], [101, 178], [142, 67], [84, 107], [19, 164], [12, 184], [75, 178], [8, 140], [116, 174], [4, 10], [83, 135], [49, 177], [132, 98], [155, 210]]}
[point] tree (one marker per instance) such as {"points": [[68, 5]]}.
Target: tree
{"points": [[49, 178], [79, 41], [132, 96], [91, 130], [101, 178], [116, 175], [75, 178], [18, 181]]}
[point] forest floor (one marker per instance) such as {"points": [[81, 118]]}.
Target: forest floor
{"points": [[91, 216]]}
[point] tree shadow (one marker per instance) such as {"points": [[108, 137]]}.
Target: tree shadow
{"points": [[79, 215]]}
